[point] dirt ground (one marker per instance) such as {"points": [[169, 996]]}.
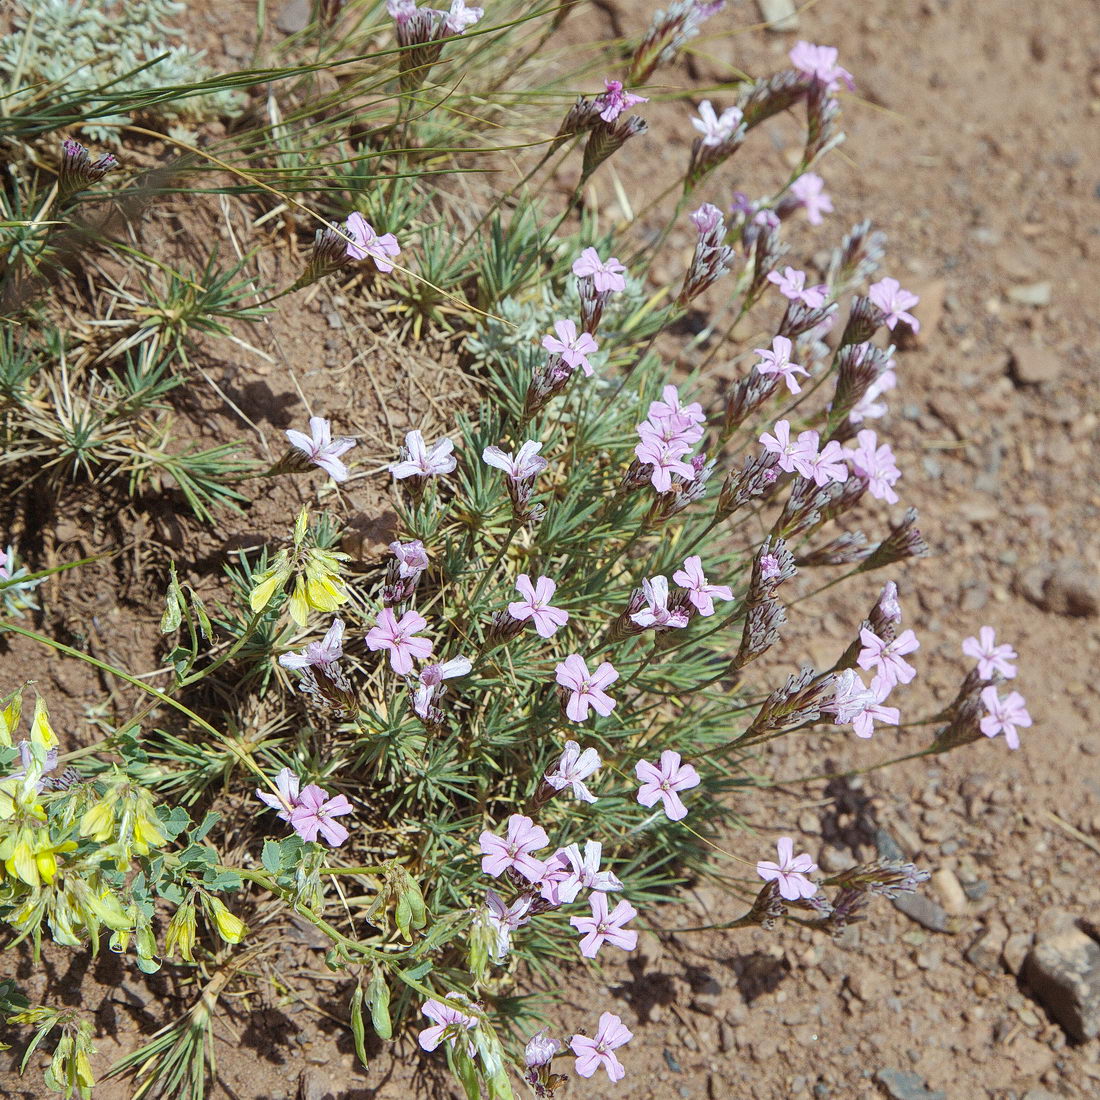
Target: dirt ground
{"points": [[973, 144]]}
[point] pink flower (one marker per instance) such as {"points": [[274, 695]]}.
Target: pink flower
{"points": [[400, 11], [286, 801], [451, 1023], [586, 688], [606, 276], [991, 658], [460, 17], [524, 837], [829, 465], [419, 460], [314, 814], [860, 707], [1004, 715], [397, 637], [434, 675], [572, 769], [656, 613], [778, 361], [526, 464], [877, 464], [869, 407], [893, 301], [887, 657], [707, 219], [541, 1049], [412, 558], [573, 349], [819, 63], [506, 919], [716, 129], [367, 243], [322, 449], [615, 100], [536, 606], [888, 606], [666, 460], [809, 190], [664, 782], [701, 594], [600, 1051], [605, 927], [316, 654], [570, 872], [797, 455], [792, 285], [789, 873], [669, 409]]}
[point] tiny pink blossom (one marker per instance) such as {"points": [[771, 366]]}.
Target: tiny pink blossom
{"points": [[861, 707], [460, 17], [828, 465], [887, 658], [777, 360], [888, 606], [792, 285], [869, 407], [574, 349], [991, 658], [523, 838], [600, 1051], [794, 455], [536, 606], [790, 873], [888, 295], [541, 1050], [819, 62], [701, 594], [605, 276], [657, 613], [572, 769], [666, 460], [322, 449], [1004, 715], [664, 782], [314, 813], [317, 654], [412, 558], [286, 801], [506, 919], [419, 460], [809, 190], [707, 218], [716, 129], [381, 249], [587, 688], [450, 1023], [615, 100], [434, 675], [527, 462], [569, 872], [876, 464], [605, 927], [398, 638]]}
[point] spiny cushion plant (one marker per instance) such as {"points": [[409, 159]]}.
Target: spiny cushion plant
{"points": [[520, 730]]}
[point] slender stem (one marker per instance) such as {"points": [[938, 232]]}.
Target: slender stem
{"points": [[235, 648], [487, 575]]}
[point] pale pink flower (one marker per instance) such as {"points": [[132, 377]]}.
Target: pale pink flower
{"points": [[460, 17], [286, 801], [716, 129], [819, 62], [527, 462], [707, 218], [541, 1050], [777, 360], [401, 11], [412, 557], [887, 658], [317, 654], [991, 658], [419, 460], [656, 613], [666, 460], [434, 675], [600, 1051], [809, 190], [701, 594], [665, 782], [574, 349], [523, 838], [1004, 715], [876, 464], [605, 927], [828, 465], [506, 919], [889, 607], [860, 707], [536, 605], [586, 688], [398, 638], [888, 295], [615, 100], [869, 407], [605, 276], [450, 1023], [794, 455], [322, 449], [572, 769], [314, 813], [569, 872], [669, 408], [790, 873], [792, 285], [381, 249]]}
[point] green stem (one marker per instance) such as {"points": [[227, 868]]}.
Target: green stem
{"points": [[487, 575], [235, 648]]}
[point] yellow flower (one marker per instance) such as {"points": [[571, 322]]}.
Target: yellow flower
{"points": [[230, 928], [9, 719], [30, 855], [98, 821], [270, 581], [181, 932], [41, 731]]}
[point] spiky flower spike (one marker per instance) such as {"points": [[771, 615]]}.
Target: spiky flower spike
{"points": [[904, 541], [607, 138], [77, 170], [667, 35]]}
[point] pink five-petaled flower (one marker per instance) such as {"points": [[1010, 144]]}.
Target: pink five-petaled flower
{"points": [[573, 349], [322, 449], [535, 605], [792, 285], [419, 460], [869, 407], [449, 1021], [819, 62], [777, 360], [794, 455], [586, 688], [398, 638], [316, 654], [809, 190], [430, 680], [541, 1049], [666, 458], [572, 769], [523, 838], [716, 128], [570, 872], [664, 782], [1004, 715], [790, 873], [887, 658], [991, 658], [829, 464], [460, 17], [506, 919], [861, 707], [615, 100], [365, 242], [888, 295], [605, 927], [657, 613], [669, 409], [600, 1051], [526, 464], [877, 464], [412, 558], [701, 594], [605, 276], [286, 801], [707, 219], [314, 814]]}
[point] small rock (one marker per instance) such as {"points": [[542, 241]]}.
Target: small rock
{"points": [[834, 860], [906, 1086], [1063, 971], [780, 15], [1031, 294], [925, 912], [334, 320], [947, 885], [985, 952], [1031, 366], [312, 1085], [294, 17], [1015, 951], [1073, 589], [976, 890], [929, 311]]}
